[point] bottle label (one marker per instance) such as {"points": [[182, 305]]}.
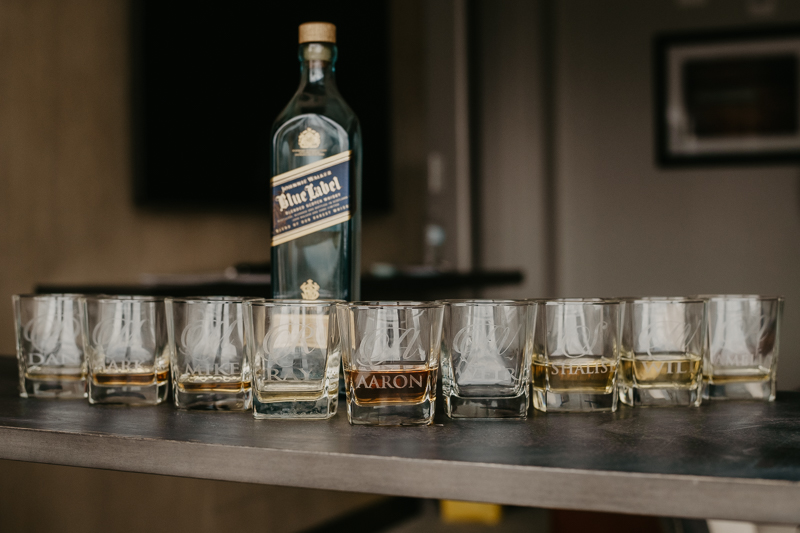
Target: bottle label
{"points": [[311, 198]]}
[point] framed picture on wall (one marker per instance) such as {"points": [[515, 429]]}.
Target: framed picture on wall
{"points": [[728, 97]]}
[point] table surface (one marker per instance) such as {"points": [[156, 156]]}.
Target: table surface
{"points": [[728, 460]]}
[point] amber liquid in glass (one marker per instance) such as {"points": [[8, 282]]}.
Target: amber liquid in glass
{"points": [[596, 375], [391, 386], [129, 379]]}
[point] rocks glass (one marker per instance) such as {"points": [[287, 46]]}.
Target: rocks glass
{"points": [[295, 354], [50, 346], [743, 335], [125, 339], [663, 345], [210, 367], [486, 358], [575, 355], [390, 354]]}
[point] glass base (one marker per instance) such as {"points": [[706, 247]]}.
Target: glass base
{"points": [[128, 395], [320, 408], [577, 401], [420, 414], [745, 390], [639, 397], [69, 389], [459, 407], [214, 401]]}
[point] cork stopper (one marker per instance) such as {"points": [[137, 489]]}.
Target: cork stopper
{"points": [[317, 32]]}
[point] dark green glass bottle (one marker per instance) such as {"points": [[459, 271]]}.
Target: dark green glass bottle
{"points": [[316, 181]]}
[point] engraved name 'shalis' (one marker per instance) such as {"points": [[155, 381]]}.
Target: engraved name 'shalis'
{"points": [[570, 369], [310, 192]]}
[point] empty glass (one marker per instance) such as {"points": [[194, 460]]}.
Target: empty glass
{"points": [[663, 344], [486, 358], [575, 355], [295, 354], [125, 340], [744, 335], [50, 346], [210, 367], [390, 354]]}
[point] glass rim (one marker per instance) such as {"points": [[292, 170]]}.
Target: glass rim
{"points": [[394, 304], [575, 301], [206, 299], [476, 302], [663, 299], [289, 302], [54, 296], [124, 298], [759, 297]]}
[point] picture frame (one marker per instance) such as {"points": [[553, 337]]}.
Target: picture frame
{"points": [[727, 97]]}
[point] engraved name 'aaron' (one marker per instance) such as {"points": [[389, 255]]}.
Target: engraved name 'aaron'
{"points": [[398, 381]]}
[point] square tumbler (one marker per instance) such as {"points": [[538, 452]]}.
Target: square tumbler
{"points": [[125, 339], [743, 338], [576, 355], [50, 346], [295, 353], [210, 367], [486, 358], [663, 345], [390, 354]]}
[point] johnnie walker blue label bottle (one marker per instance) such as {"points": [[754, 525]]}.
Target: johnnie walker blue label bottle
{"points": [[316, 181]]}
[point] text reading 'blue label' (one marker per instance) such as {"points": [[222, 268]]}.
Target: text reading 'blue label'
{"points": [[311, 198]]}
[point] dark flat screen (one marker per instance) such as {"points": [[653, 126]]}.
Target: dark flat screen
{"points": [[209, 78]]}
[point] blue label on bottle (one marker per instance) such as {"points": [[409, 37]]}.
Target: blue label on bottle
{"points": [[311, 198]]}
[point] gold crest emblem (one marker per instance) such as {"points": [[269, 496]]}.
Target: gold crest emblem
{"points": [[309, 290], [309, 138]]}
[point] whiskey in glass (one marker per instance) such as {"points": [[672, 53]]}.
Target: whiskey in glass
{"points": [[663, 345], [295, 355], [743, 338], [126, 349], [210, 367], [390, 355], [50, 346], [575, 355]]}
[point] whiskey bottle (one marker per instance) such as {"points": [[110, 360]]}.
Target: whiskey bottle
{"points": [[316, 181]]}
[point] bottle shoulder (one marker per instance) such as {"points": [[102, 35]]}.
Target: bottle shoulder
{"points": [[332, 107]]}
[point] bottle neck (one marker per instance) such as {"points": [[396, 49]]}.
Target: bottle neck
{"points": [[317, 67]]}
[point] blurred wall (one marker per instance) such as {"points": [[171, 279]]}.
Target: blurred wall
{"points": [[66, 211], [626, 227], [566, 103]]}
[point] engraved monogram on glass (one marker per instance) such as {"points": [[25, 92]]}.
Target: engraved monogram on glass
{"points": [[743, 346], [663, 344], [126, 349], [50, 346], [575, 355], [295, 358], [390, 356], [486, 358], [210, 368], [53, 341]]}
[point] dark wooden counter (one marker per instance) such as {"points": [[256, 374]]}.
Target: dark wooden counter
{"points": [[738, 461]]}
